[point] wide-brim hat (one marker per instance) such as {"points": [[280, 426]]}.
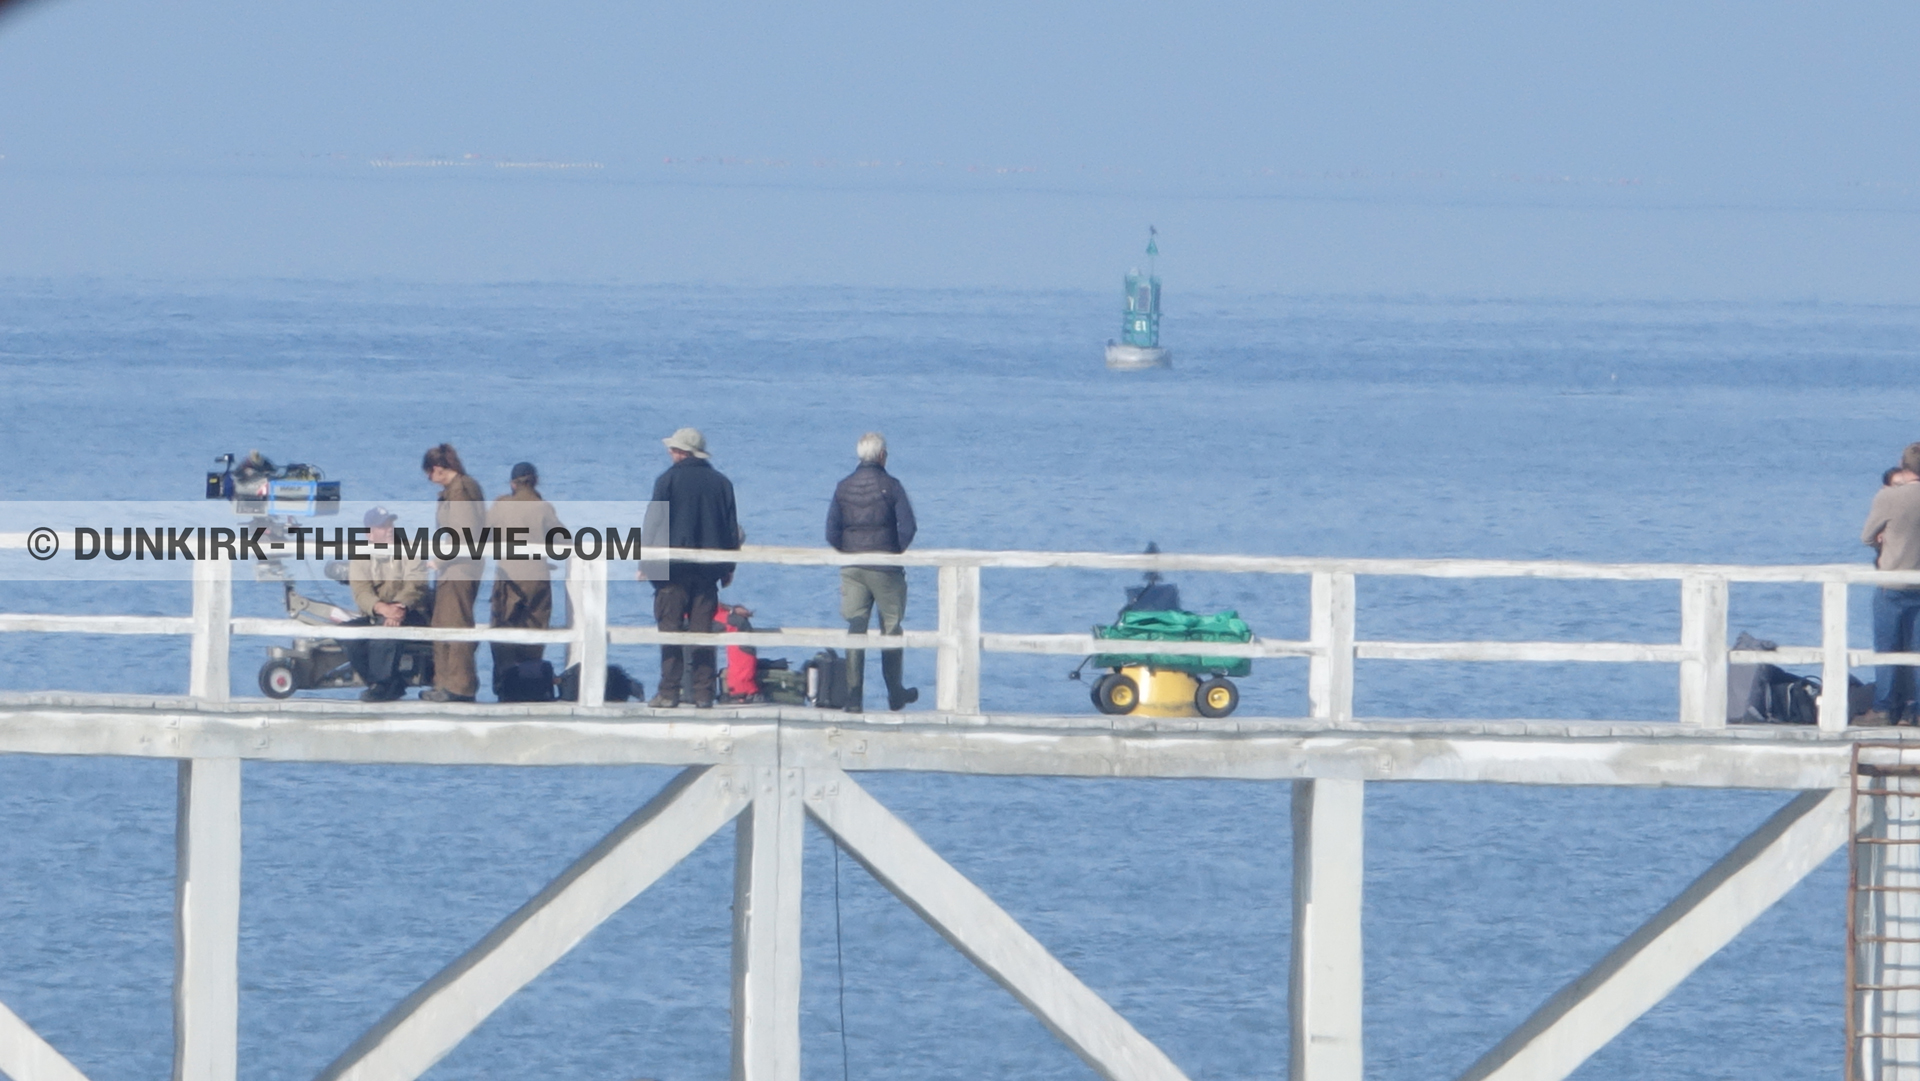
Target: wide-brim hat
{"points": [[689, 440]]}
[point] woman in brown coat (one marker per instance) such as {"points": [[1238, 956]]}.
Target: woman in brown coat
{"points": [[462, 508]]}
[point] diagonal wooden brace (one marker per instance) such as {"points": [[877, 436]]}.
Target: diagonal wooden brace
{"points": [[964, 915], [434, 1019], [25, 1056], [1643, 969]]}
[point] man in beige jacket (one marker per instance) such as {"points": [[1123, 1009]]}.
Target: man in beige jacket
{"points": [[522, 588], [1893, 528], [391, 592]]}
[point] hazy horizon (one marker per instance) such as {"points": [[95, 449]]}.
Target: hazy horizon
{"points": [[1723, 151]]}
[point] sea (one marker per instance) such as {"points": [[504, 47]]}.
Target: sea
{"points": [[1429, 426]]}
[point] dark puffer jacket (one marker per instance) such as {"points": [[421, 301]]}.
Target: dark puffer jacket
{"points": [[870, 513]]}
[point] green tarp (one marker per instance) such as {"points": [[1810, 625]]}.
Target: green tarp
{"points": [[1176, 626]]}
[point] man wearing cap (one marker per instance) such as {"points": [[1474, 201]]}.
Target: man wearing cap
{"points": [[391, 592], [701, 514], [522, 588]]}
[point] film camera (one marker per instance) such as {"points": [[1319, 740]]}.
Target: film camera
{"points": [[257, 487]]}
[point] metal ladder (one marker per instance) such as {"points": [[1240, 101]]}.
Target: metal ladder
{"points": [[1883, 914]]}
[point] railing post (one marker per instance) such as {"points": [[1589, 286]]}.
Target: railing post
{"points": [[1834, 670], [959, 657], [1703, 634], [1330, 672], [766, 928], [212, 630], [587, 607], [1324, 998], [206, 979]]}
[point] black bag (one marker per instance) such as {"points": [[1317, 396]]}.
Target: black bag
{"points": [[620, 687], [527, 681], [826, 680], [1780, 697], [781, 686]]}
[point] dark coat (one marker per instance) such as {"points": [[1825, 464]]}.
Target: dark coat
{"points": [[701, 511], [870, 513]]}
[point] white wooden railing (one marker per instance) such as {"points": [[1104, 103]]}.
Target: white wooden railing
{"points": [[770, 777], [1331, 646]]}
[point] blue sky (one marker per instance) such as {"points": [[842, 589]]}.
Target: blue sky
{"points": [[1633, 149]]}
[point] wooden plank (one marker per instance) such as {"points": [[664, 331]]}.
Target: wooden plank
{"points": [[434, 1019], [1651, 962], [1325, 986], [1703, 634], [958, 665], [587, 608], [56, 624], [1600, 652], [966, 917], [1245, 748], [212, 635], [766, 928], [206, 983], [805, 637], [1331, 622], [1302, 565], [293, 628], [1082, 644], [25, 1056], [1834, 707]]}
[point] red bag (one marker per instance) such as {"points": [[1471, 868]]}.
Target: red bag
{"points": [[743, 669]]}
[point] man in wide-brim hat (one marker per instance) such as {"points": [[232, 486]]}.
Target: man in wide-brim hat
{"points": [[701, 514]]}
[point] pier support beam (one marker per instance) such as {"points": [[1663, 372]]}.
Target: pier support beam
{"points": [[206, 981], [1587, 1013], [1325, 985], [24, 1056], [966, 917], [766, 929]]}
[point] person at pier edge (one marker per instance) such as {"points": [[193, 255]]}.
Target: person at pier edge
{"points": [[1893, 529], [870, 513], [462, 508], [391, 593], [701, 514], [522, 588]]}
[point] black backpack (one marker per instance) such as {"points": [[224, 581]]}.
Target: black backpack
{"points": [[1780, 697], [527, 681], [620, 687]]}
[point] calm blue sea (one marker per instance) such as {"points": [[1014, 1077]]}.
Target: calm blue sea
{"points": [[1311, 425]]}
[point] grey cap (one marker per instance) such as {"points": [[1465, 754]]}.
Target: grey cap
{"points": [[689, 440], [380, 516]]}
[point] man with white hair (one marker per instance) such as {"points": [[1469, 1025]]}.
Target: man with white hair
{"points": [[870, 513]]}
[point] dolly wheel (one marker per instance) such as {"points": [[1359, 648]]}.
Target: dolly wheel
{"points": [[1094, 692], [1118, 694], [1216, 697], [277, 679]]}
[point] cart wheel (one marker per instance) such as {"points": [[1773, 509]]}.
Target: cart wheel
{"points": [[1116, 694], [277, 679], [1216, 697], [1093, 692]]}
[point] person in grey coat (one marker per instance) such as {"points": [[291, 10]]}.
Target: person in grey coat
{"points": [[870, 513]]}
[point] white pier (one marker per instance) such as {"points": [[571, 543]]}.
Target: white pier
{"points": [[770, 769]]}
